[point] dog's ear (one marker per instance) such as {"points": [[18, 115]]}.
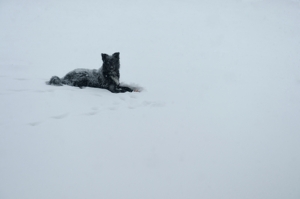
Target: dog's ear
{"points": [[104, 56], [116, 55]]}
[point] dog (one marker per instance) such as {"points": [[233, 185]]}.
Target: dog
{"points": [[107, 77]]}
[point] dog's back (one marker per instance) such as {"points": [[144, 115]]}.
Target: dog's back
{"points": [[82, 78]]}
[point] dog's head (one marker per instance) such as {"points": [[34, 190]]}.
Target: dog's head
{"points": [[111, 66], [111, 63]]}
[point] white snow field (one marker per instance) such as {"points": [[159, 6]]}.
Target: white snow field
{"points": [[218, 117]]}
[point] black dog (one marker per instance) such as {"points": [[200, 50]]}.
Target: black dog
{"points": [[106, 77]]}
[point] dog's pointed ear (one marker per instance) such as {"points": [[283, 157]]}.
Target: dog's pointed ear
{"points": [[116, 55], [104, 56]]}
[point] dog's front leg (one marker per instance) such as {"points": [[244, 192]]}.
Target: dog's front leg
{"points": [[119, 89], [125, 89]]}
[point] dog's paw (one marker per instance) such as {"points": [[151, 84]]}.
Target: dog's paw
{"points": [[137, 89]]}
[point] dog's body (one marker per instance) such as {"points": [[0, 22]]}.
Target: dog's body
{"points": [[107, 77]]}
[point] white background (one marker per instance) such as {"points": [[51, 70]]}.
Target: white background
{"points": [[218, 116]]}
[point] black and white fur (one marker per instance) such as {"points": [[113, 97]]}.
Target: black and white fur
{"points": [[107, 77]]}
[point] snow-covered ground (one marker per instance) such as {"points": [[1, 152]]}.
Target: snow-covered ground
{"points": [[219, 116]]}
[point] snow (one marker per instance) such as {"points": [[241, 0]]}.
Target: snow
{"points": [[218, 116]]}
